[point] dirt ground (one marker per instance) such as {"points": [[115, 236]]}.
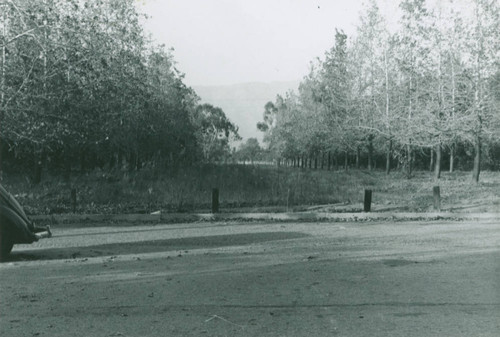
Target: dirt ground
{"points": [[257, 279]]}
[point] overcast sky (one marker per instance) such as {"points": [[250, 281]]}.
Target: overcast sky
{"points": [[220, 42]]}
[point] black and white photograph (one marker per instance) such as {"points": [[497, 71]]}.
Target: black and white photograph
{"points": [[261, 168]]}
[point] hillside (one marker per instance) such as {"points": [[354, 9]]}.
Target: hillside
{"points": [[244, 103]]}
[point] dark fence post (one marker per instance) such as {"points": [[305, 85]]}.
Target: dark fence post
{"points": [[215, 200], [437, 198], [73, 199], [368, 201]]}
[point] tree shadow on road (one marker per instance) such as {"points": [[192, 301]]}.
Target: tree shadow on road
{"points": [[152, 246]]}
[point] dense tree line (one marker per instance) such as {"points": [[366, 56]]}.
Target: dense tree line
{"points": [[250, 151], [81, 85], [424, 95]]}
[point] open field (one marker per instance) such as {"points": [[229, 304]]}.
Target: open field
{"points": [[257, 279], [253, 188]]}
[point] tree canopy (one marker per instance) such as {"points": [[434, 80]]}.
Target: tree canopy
{"points": [[80, 81], [409, 96]]}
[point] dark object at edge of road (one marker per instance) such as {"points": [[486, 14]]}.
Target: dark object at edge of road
{"points": [[15, 226]]}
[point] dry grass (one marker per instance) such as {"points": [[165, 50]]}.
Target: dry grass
{"points": [[253, 188]]}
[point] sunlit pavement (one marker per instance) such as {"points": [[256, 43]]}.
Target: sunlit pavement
{"points": [[251, 279]]}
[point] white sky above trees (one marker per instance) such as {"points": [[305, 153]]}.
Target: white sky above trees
{"points": [[220, 42]]}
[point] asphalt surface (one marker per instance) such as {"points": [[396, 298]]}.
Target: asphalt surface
{"points": [[421, 278]]}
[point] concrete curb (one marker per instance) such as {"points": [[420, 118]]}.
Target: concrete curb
{"points": [[299, 216]]}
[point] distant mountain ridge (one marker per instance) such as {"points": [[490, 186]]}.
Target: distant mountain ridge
{"points": [[244, 103]]}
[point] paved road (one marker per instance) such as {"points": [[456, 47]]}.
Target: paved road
{"points": [[250, 279]]}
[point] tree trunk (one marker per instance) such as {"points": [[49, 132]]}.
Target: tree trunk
{"points": [[389, 147], [121, 164], [67, 165], [316, 162], [439, 152], [2, 75], [171, 159], [477, 159], [37, 169], [92, 160], [431, 163], [370, 152], [409, 161], [138, 161], [112, 160], [388, 157], [82, 160], [131, 161], [329, 161], [345, 161], [452, 157], [358, 154]]}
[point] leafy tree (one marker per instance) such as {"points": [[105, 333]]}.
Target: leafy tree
{"points": [[216, 131], [412, 57], [80, 81], [250, 151], [370, 68], [482, 116]]}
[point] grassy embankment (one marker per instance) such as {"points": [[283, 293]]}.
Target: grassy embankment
{"points": [[253, 189]]}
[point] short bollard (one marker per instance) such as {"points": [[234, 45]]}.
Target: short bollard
{"points": [[215, 200], [73, 199], [437, 198], [368, 201]]}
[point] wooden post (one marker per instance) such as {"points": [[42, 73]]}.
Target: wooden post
{"points": [[368, 201], [215, 200], [437, 198], [73, 199]]}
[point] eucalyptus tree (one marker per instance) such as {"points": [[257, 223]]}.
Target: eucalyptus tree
{"points": [[28, 119], [412, 57], [281, 131], [481, 120], [250, 150], [268, 125], [370, 67], [216, 131], [313, 132], [82, 77], [172, 121], [269, 117], [447, 99], [453, 31], [335, 94]]}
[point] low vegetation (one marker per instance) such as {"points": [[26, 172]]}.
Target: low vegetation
{"points": [[255, 188]]}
